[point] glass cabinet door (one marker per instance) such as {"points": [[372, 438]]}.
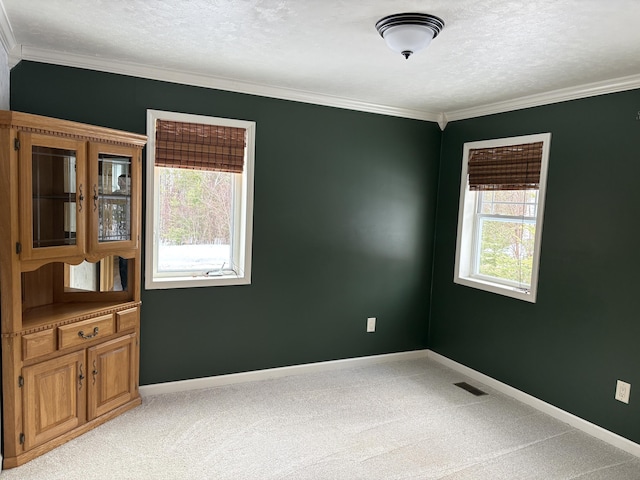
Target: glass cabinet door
{"points": [[114, 198], [113, 183], [53, 196]]}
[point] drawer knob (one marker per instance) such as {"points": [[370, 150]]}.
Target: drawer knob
{"points": [[91, 335]]}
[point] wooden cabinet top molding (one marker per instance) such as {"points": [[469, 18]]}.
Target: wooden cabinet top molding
{"points": [[52, 126]]}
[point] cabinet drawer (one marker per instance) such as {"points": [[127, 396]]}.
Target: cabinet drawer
{"points": [[38, 344], [127, 319], [80, 332]]}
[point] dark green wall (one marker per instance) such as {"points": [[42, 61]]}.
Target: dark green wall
{"points": [[343, 227], [582, 335]]}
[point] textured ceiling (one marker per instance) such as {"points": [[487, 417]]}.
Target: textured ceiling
{"points": [[490, 51]]}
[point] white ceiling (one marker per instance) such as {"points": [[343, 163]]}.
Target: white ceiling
{"points": [[492, 55]]}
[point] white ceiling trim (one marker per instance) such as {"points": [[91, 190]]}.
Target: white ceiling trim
{"points": [[189, 78], [573, 93], [8, 39], [17, 52]]}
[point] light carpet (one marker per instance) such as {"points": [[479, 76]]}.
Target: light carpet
{"points": [[399, 420]]}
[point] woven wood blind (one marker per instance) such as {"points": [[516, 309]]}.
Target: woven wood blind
{"points": [[200, 146], [512, 167]]}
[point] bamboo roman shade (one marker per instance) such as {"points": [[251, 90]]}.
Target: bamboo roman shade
{"points": [[512, 167], [200, 146]]}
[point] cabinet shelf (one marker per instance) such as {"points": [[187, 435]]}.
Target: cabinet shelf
{"points": [[114, 196], [59, 196]]}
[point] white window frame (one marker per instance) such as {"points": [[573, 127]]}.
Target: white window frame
{"points": [[242, 226], [466, 240]]}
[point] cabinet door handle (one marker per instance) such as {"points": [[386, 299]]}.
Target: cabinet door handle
{"points": [[81, 377], [91, 335], [81, 198], [95, 372], [95, 198]]}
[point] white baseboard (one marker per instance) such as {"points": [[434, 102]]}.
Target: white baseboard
{"points": [[270, 373], [555, 412]]}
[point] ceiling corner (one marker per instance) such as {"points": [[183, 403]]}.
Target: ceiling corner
{"points": [[7, 38], [442, 120]]}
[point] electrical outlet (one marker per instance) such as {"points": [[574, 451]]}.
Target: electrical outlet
{"points": [[371, 324], [623, 390]]}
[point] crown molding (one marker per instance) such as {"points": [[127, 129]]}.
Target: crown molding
{"points": [[6, 32], [195, 79], [16, 52], [556, 96], [7, 39]]}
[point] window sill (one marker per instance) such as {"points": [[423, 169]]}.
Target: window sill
{"points": [[493, 287], [194, 282]]}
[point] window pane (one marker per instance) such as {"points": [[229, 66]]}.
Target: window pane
{"points": [[514, 203], [511, 209], [195, 210], [511, 196], [506, 249]]}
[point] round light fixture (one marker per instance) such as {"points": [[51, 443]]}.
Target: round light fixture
{"points": [[406, 33]]}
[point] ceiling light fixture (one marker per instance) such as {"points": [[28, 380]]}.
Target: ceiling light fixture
{"points": [[406, 33]]}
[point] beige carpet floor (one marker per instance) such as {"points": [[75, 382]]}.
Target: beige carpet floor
{"points": [[398, 420]]}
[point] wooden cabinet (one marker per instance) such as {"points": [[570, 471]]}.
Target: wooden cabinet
{"points": [[54, 398], [70, 276], [113, 376]]}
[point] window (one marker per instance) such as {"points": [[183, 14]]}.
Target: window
{"points": [[199, 200], [500, 217]]}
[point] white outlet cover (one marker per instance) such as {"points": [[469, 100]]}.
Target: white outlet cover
{"points": [[371, 324], [623, 391]]}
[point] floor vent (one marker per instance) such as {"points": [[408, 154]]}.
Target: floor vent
{"points": [[471, 389]]}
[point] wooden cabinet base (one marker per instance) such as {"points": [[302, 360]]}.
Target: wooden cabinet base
{"points": [[12, 462]]}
